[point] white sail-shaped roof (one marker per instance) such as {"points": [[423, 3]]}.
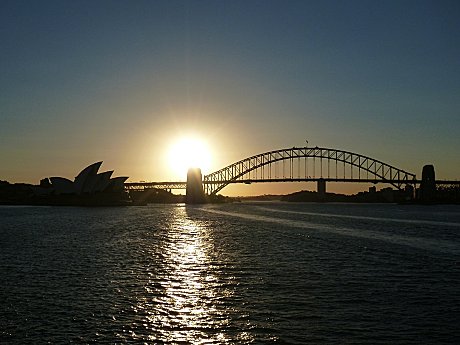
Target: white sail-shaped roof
{"points": [[62, 185], [88, 182], [117, 183], [103, 181], [86, 177]]}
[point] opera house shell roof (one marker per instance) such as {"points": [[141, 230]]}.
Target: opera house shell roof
{"points": [[87, 182]]}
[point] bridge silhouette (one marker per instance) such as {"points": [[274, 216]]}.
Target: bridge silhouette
{"points": [[301, 164]]}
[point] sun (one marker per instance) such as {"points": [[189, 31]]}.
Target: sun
{"points": [[189, 152]]}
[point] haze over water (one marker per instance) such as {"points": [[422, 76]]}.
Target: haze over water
{"points": [[232, 273]]}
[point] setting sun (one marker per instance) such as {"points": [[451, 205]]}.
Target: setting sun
{"points": [[189, 152]]}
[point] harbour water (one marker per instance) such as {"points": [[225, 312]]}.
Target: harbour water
{"points": [[230, 274]]}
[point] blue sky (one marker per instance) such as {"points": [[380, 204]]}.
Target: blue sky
{"points": [[83, 81]]}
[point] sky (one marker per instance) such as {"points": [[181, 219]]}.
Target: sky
{"points": [[122, 81]]}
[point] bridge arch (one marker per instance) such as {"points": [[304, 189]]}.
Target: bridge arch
{"points": [[263, 167]]}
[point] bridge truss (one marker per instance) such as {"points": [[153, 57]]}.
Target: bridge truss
{"points": [[307, 164]]}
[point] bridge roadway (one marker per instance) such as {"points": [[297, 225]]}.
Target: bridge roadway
{"points": [[159, 185], [183, 185]]}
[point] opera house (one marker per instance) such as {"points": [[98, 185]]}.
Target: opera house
{"points": [[88, 188]]}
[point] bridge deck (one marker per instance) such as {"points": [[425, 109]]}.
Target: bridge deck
{"points": [[182, 185]]}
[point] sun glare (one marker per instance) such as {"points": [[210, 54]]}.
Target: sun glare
{"points": [[188, 153]]}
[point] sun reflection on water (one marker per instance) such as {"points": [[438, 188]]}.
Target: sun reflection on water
{"points": [[188, 295]]}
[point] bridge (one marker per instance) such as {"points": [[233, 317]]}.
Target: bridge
{"points": [[301, 164]]}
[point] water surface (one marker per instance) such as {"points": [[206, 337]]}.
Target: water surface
{"points": [[234, 273]]}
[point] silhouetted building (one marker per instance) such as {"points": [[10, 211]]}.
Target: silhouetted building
{"points": [[154, 195], [89, 187], [321, 187], [195, 192], [88, 181], [409, 192], [428, 184]]}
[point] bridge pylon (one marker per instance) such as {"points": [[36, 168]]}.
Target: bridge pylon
{"points": [[428, 184], [194, 190], [321, 188]]}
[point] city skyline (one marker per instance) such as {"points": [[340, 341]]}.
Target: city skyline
{"points": [[122, 82]]}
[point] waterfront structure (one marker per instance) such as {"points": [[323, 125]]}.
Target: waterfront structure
{"points": [[308, 164], [87, 182], [194, 191], [321, 187], [312, 164], [428, 184], [89, 187]]}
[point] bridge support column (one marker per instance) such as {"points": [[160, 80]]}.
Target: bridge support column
{"points": [[321, 189], [427, 192], [194, 192]]}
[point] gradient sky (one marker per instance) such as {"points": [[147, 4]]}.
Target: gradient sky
{"points": [[119, 81]]}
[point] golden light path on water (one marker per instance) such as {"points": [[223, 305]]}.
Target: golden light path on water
{"points": [[191, 290]]}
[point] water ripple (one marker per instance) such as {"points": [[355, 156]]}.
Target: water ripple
{"points": [[225, 274]]}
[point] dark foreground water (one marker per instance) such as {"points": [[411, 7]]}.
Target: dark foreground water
{"points": [[239, 273]]}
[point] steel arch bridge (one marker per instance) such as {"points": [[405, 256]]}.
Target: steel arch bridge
{"points": [[307, 164]]}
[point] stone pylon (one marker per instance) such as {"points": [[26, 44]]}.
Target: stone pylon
{"points": [[428, 185], [195, 193]]}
